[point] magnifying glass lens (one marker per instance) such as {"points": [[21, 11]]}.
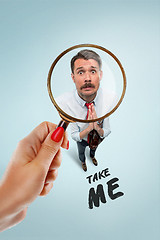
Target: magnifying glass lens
{"points": [[86, 75]]}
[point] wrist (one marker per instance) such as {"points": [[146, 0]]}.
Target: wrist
{"points": [[90, 128], [8, 205], [9, 214], [96, 127], [99, 129]]}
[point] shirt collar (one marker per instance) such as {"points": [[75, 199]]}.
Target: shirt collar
{"points": [[82, 102]]}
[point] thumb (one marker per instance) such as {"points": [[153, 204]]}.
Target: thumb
{"points": [[49, 148]]}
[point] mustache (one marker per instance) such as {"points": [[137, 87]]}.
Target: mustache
{"points": [[87, 85]]}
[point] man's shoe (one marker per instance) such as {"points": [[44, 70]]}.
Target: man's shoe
{"points": [[94, 161], [84, 166]]}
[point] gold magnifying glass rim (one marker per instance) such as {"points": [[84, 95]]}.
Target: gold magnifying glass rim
{"points": [[64, 115]]}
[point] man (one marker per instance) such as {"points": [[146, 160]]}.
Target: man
{"points": [[87, 102]]}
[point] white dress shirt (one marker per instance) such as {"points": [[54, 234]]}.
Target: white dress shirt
{"points": [[74, 106]]}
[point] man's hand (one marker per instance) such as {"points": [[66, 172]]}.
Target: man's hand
{"points": [[94, 114], [86, 131], [95, 125], [90, 116], [30, 173]]}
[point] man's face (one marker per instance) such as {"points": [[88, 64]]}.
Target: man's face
{"points": [[86, 77]]}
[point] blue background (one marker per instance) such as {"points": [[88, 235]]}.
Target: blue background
{"points": [[33, 33]]}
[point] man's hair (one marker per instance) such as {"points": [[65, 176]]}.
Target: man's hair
{"points": [[86, 55]]}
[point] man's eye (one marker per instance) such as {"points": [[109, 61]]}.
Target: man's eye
{"points": [[80, 72], [93, 71]]}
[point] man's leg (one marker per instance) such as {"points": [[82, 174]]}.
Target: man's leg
{"points": [[81, 152], [92, 155]]}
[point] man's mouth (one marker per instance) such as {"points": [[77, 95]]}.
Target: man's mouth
{"points": [[87, 85]]}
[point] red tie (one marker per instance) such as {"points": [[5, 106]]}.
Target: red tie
{"points": [[87, 105]]}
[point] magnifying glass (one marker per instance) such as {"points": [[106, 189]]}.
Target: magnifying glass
{"points": [[112, 82]]}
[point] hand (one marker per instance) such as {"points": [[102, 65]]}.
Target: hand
{"points": [[90, 116], [94, 114], [30, 173], [95, 125]]}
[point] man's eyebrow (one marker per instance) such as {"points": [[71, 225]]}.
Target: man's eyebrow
{"points": [[93, 67], [79, 68]]}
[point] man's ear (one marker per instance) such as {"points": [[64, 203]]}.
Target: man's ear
{"points": [[101, 75], [72, 76]]}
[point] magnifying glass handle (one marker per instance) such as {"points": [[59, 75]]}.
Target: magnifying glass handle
{"points": [[59, 131]]}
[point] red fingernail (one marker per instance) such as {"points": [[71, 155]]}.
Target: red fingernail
{"points": [[67, 145], [57, 134]]}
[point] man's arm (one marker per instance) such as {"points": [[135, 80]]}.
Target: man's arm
{"points": [[95, 124], [86, 131], [106, 127], [78, 135], [105, 130]]}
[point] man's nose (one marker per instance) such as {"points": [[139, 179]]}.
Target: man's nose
{"points": [[87, 77]]}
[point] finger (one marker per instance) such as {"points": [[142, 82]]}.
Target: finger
{"points": [[56, 162], [46, 189], [93, 109], [51, 176], [41, 132], [90, 108], [31, 144], [94, 112], [89, 114], [65, 143], [29, 147], [49, 148]]}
